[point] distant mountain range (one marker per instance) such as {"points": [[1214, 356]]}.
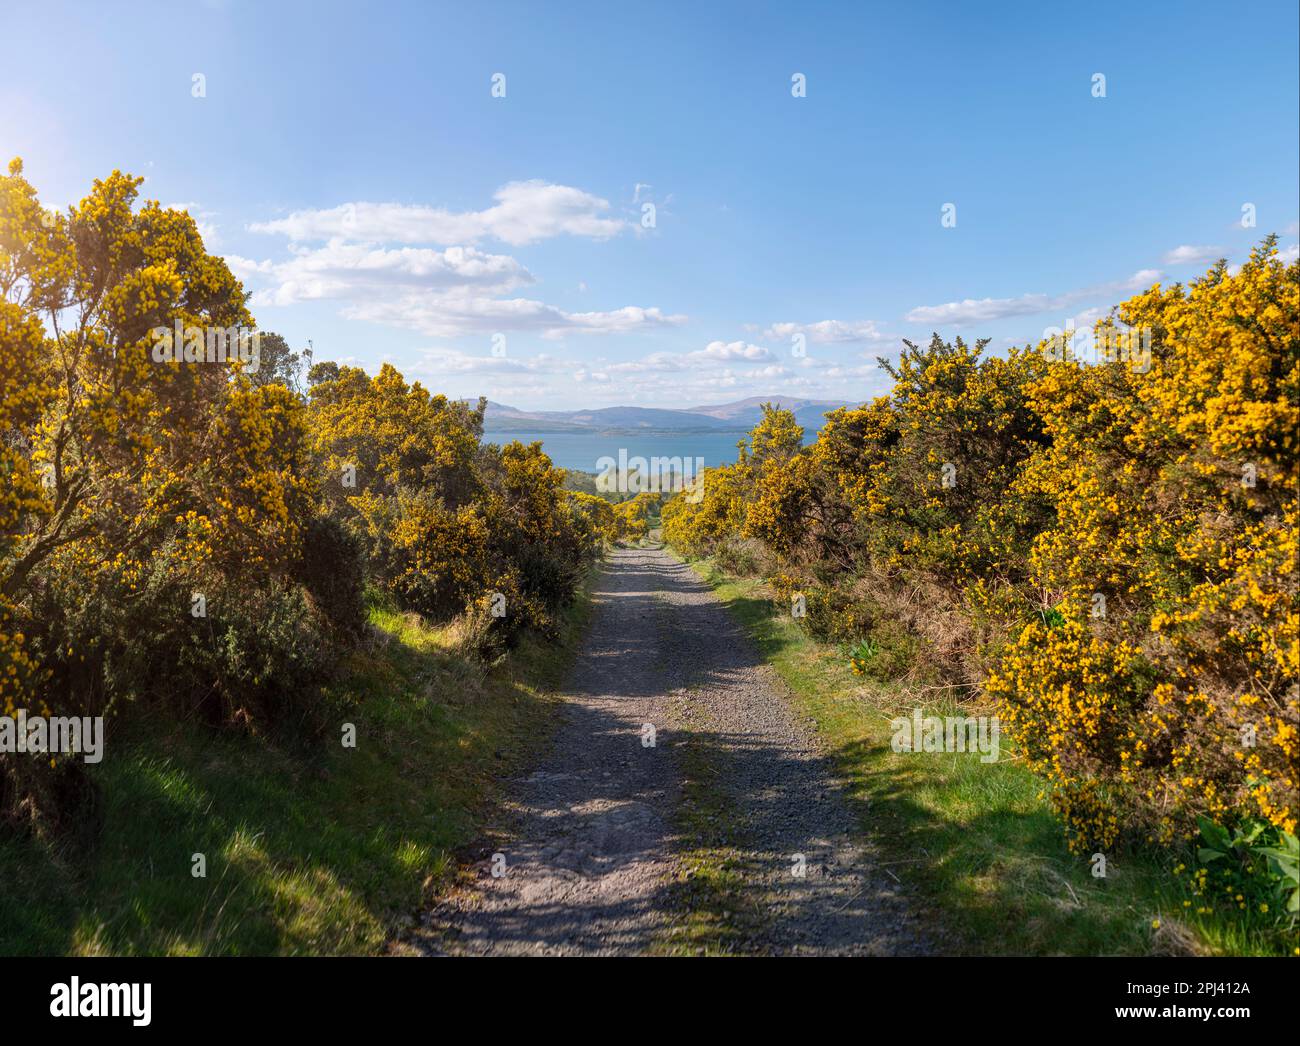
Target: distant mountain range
{"points": [[742, 415]]}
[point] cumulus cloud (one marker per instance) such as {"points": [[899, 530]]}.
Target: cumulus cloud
{"points": [[442, 293], [643, 382], [675, 380], [666, 379], [1187, 254], [733, 350], [472, 374], [980, 310], [344, 270], [1139, 281], [369, 261], [524, 213], [247, 268]]}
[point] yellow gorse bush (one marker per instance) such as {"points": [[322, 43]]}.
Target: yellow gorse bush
{"points": [[632, 517], [1108, 549], [445, 521], [175, 536], [1175, 490]]}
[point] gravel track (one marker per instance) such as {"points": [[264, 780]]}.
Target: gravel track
{"points": [[592, 848]]}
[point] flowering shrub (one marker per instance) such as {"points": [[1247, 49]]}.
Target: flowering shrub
{"points": [[445, 521], [1175, 491], [632, 517], [696, 527], [535, 532], [718, 511], [594, 516], [180, 536], [1107, 549]]}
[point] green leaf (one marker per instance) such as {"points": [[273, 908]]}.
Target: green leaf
{"points": [[1249, 837], [1215, 835], [1283, 864]]}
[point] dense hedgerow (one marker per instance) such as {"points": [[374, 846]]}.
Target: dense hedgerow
{"points": [[176, 538], [1108, 549]]}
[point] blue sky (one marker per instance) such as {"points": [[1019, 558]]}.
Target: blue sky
{"points": [[352, 164]]}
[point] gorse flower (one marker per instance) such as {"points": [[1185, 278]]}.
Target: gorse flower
{"points": [[1109, 550], [179, 536]]}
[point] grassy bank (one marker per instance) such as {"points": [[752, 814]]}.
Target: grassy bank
{"points": [[976, 843], [310, 848]]}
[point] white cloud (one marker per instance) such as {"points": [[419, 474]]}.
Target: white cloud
{"points": [[369, 265], [452, 361], [633, 382], [247, 268], [733, 350], [525, 212], [451, 315], [1084, 319], [827, 332], [638, 383], [661, 379], [1187, 254], [503, 378], [986, 310], [715, 355], [723, 370], [342, 270], [981, 310], [597, 377], [1139, 281]]}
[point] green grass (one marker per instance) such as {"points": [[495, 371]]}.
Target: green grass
{"points": [[976, 844], [311, 848], [713, 912]]}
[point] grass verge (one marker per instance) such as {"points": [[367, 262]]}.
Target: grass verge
{"points": [[311, 848], [976, 843]]}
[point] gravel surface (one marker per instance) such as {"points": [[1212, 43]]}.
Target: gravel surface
{"points": [[591, 851]]}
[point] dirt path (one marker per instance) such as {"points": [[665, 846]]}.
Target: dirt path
{"points": [[603, 831]]}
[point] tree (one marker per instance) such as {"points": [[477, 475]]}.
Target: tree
{"points": [[280, 365]]}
